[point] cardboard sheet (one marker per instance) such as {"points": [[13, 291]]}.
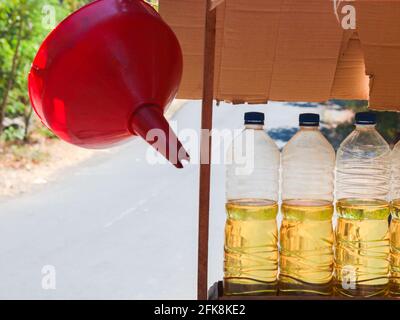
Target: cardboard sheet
{"points": [[291, 50]]}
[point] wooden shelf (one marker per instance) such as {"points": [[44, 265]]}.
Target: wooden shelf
{"points": [[216, 292]]}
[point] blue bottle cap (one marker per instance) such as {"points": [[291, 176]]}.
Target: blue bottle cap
{"points": [[309, 120], [365, 118], [254, 118]]}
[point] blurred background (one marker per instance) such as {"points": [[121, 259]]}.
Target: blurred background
{"points": [[23, 26], [105, 220], [25, 144]]}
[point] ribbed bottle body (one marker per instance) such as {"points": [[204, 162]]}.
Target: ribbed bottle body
{"points": [[306, 235], [251, 235], [362, 191]]}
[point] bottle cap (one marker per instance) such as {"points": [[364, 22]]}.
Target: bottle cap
{"points": [[254, 118], [309, 120], [365, 118]]}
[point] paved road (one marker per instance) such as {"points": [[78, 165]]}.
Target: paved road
{"points": [[116, 227]]}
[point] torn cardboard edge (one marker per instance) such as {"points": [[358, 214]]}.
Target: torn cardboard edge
{"points": [[290, 50]]}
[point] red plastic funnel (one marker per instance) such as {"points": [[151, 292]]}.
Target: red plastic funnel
{"points": [[107, 72]]}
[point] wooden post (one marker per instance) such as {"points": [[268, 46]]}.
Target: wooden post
{"points": [[205, 150]]}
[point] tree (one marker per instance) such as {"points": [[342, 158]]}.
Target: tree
{"points": [[73, 5], [22, 28]]}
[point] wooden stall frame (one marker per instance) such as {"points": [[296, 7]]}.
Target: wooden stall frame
{"points": [[216, 291], [205, 149]]}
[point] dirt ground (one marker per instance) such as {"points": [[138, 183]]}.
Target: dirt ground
{"points": [[19, 175]]}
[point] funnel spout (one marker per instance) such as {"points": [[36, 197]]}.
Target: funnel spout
{"points": [[149, 122]]}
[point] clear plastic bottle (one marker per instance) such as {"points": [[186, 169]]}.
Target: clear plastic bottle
{"points": [[362, 191], [395, 222], [306, 235], [252, 190]]}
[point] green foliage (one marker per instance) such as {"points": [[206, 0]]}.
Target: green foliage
{"points": [[23, 26], [388, 123], [389, 126], [154, 3], [355, 105], [13, 133], [72, 5], [44, 132]]}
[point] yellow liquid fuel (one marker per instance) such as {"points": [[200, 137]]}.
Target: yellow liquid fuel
{"points": [[362, 248], [306, 248], [395, 249], [251, 248]]}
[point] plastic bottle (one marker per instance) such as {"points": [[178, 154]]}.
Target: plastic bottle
{"points": [[252, 190], [306, 235], [362, 190], [395, 223]]}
